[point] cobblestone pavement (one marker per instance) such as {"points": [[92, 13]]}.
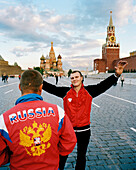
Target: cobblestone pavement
{"points": [[113, 140]]}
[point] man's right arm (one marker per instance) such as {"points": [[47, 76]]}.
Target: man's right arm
{"points": [[55, 90]]}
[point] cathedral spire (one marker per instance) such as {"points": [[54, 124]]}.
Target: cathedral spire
{"points": [[52, 46], [111, 22]]}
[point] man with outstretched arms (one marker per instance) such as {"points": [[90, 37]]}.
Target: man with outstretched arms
{"points": [[77, 101], [34, 133]]}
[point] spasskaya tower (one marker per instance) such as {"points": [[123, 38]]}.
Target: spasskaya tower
{"points": [[110, 50]]}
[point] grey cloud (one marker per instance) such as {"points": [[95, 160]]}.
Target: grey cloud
{"points": [[19, 52], [31, 48], [84, 56], [46, 13], [81, 62], [23, 23], [94, 14]]}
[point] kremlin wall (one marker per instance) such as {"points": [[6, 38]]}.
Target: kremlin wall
{"points": [[7, 69]]}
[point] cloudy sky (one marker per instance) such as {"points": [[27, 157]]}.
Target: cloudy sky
{"points": [[76, 27]]}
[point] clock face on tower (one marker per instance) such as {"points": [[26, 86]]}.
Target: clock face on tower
{"points": [[112, 39]]}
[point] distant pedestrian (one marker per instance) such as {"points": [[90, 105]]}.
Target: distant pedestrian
{"points": [[19, 77], [56, 79], [6, 79], [2, 77], [122, 80]]}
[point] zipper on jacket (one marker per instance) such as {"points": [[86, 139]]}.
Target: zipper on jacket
{"points": [[77, 107]]}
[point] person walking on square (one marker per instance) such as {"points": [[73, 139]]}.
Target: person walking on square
{"points": [[6, 78], [34, 133], [122, 80], [77, 101], [19, 76], [56, 76], [2, 77]]}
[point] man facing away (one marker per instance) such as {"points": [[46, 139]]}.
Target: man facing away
{"points": [[34, 132], [77, 102]]}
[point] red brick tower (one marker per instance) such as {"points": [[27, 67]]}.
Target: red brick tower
{"points": [[110, 50]]}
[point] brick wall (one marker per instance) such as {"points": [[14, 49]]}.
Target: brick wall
{"points": [[131, 62], [2, 62], [112, 54], [100, 65], [10, 70]]}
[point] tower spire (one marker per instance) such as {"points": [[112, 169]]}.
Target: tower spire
{"points": [[111, 22], [52, 46]]}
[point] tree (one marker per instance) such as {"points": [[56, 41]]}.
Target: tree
{"points": [[69, 72], [1, 58], [15, 64], [41, 70]]}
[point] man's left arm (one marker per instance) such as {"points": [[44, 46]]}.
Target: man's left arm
{"points": [[67, 135], [4, 149], [95, 90]]}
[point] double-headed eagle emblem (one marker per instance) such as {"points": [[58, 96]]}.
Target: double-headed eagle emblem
{"points": [[35, 139]]}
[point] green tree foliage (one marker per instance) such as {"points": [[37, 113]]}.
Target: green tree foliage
{"points": [[111, 71], [15, 64], [1, 58], [69, 72], [41, 70]]}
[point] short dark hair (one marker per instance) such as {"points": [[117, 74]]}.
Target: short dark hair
{"points": [[30, 81], [75, 71]]}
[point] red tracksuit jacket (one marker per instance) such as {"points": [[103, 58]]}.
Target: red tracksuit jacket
{"points": [[36, 132], [78, 106]]}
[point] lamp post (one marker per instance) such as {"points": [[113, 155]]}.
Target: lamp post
{"points": [[107, 69]]}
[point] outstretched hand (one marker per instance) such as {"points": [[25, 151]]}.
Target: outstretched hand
{"points": [[120, 67]]}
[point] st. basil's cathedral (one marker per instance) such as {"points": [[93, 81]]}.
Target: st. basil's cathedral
{"points": [[49, 63]]}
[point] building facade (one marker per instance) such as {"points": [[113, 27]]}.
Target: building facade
{"points": [[50, 64], [7, 69]]}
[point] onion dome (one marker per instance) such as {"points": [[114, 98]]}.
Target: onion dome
{"points": [[42, 57], [47, 57], [59, 56]]}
